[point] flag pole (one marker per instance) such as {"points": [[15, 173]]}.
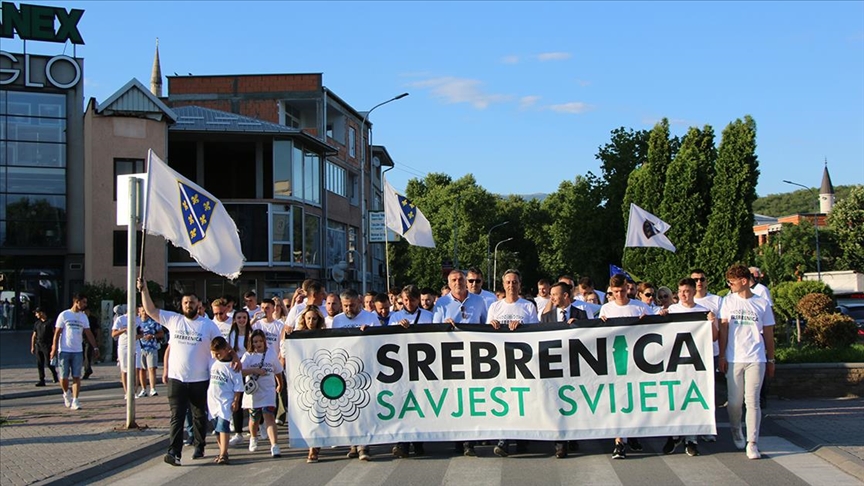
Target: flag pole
{"points": [[386, 243], [132, 328]]}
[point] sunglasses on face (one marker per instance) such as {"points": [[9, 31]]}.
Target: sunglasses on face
{"points": [[699, 279], [475, 280], [648, 294], [663, 297]]}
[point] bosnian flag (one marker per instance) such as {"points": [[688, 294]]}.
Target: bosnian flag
{"points": [[403, 217], [646, 230]]}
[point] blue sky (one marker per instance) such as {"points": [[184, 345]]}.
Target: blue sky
{"points": [[522, 94]]}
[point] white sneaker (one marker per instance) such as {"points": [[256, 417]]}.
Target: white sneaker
{"points": [[77, 406], [753, 451], [738, 438], [141, 394], [253, 444], [67, 399], [275, 452], [235, 440], [152, 392]]}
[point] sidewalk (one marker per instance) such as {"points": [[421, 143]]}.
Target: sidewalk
{"points": [[45, 443]]}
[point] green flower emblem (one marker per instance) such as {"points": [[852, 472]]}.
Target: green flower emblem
{"points": [[332, 387]]}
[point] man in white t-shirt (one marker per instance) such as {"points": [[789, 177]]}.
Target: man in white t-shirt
{"points": [[746, 354], [475, 286], [544, 287], [252, 307], [221, 317], [274, 329], [621, 305], [333, 307], [711, 302], [512, 311], [756, 285], [71, 328], [353, 314], [686, 293], [188, 369]]}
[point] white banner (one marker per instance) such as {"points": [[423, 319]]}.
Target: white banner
{"points": [[626, 377]]}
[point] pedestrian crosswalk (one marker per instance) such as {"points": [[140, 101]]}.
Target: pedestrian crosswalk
{"points": [[720, 463]]}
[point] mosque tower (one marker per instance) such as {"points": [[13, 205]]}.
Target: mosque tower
{"points": [[156, 75], [826, 192]]}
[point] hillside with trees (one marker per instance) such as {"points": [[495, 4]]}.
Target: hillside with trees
{"points": [[800, 201]]}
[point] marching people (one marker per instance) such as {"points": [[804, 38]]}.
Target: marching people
{"points": [[262, 367], [40, 345], [311, 319], [621, 305], [223, 394], [238, 338], [188, 369], [70, 330], [746, 355], [150, 341]]}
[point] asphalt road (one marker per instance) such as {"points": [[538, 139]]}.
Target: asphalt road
{"points": [[719, 464]]}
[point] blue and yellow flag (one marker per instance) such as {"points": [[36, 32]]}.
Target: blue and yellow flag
{"points": [[191, 218], [403, 217]]}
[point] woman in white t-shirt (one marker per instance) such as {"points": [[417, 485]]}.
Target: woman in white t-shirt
{"points": [[263, 367], [238, 337]]}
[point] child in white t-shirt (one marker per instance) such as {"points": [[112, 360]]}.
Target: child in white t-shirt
{"points": [[266, 370], [223, 394]]}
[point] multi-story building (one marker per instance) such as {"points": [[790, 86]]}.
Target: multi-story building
{"points": [[41, 165], [282, 153]]}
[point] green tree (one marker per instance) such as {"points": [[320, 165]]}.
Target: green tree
{"points": [[627, 150], [645, 189], [729, 235], [686, 202], [795, 202], [460, 213], [846, 220], [791, 252]]}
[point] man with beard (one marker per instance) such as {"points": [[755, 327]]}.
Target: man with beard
{"points": [[71, 328], [333, 307], [188, 369], [428, 298]]}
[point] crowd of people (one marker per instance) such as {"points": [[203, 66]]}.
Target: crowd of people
{"points": [[226, 367]]}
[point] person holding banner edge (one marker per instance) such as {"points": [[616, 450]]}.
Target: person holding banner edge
{"points": [[621, 305]]}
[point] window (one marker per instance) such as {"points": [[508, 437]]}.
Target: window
{"points": [[296, 173], [282, 236], [32, 169], [354, 189], [121, 247], [312, 240], [352, 142], [336, 242], [292, 116], [336, 179], [126, 166]]}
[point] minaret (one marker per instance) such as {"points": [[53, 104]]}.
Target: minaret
{"points": [[826, 192], [156, 76]]}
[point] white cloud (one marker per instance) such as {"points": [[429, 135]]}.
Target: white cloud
{"points": [[553, 56], [526, 102], [575, 107], [460, 90], [510, 59]]}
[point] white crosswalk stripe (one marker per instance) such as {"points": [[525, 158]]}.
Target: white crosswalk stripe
{"points": [[701, 470], [366, 473], [807, 466]]}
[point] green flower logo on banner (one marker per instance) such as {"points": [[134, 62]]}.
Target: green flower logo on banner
{"points": [[332, 387]]}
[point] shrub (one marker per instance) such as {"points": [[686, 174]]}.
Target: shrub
{"points": [[813, 305], [787, 294], [832, 331]]}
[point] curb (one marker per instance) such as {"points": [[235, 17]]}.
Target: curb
{"points": [[86, 474], [846, 462], [52, 390]]}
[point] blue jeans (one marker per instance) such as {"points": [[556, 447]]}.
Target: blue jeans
{"points": [[70, 364]]}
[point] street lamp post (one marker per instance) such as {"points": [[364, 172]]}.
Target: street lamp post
{"points": [[368, 146], [495, 266], [489, 246], [815, 225]]}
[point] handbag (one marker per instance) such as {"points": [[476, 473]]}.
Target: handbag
{"points": [[251, 385]]}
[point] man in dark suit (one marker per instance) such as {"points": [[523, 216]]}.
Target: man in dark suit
{"points": [[563, 308]]}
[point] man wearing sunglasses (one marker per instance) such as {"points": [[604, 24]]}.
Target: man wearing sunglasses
{"points": [[475, 286], [711, 302]]}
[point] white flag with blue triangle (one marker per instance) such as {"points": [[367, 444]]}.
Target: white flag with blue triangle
{"points": [[403, 217], [191, 218]]}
